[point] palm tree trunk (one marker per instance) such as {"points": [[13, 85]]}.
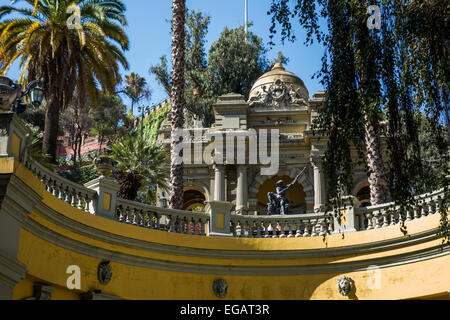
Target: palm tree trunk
{"points": [[374, 161], [50, 142], [367, 73], [177, 97]]}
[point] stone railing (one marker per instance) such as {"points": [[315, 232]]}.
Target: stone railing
{"points": [[290, 226], [99, 197], [74, 194], [162, 219], [388, 214]]}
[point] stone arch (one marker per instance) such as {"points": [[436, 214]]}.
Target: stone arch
{"points": [[198, 186], [359, 187], [292, 172]]}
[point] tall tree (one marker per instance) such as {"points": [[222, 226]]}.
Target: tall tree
{"points": [[136, 89], [77, 123], [137, 164], [222, 71], [395, 72], [177, 100], [71, 44], [107, 118]]}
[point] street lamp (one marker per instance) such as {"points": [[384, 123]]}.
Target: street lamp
{"points": [[11, 92]]}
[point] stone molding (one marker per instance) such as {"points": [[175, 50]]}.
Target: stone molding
{"points": [[384, 262]]}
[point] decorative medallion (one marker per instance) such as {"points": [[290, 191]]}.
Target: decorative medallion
{"points": [[220, 288], [278, 95], [104, 272], [345, 285]]}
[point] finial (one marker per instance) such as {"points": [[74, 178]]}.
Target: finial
{"points": [[278, 66]]}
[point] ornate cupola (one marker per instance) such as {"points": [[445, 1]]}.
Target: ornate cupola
{"points": [[278, 89]]}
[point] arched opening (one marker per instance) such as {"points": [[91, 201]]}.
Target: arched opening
{"points": [[363, 196], [296, 195], [194, 200]]}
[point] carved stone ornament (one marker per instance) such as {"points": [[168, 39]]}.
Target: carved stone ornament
{"points": [[345, 285], [220, 288], [279, 95], [104, 272]]}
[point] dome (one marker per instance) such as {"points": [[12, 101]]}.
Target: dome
{"points": [[278, 88]]}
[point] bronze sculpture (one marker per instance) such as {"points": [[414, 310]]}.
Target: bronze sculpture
{"points": [[278, 203]]}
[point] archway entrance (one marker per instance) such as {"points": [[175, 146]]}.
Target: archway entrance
{"points": [[194, 200]]}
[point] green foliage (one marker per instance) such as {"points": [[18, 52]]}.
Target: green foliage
{"points": [[137, 164], [79, 172], [233, 64], [153, 123], [107, 117], [74, 62], [136, 89], [398, 73]]}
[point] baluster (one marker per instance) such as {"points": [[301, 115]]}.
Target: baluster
{"points": [[392, 216], [369, 221], [259, 229], [233, 228], [298, 226], [266, 229], [377, 219], [88, 204], [306, 232], [192, 227], [120, 213], [417, 212], [273, 226], [291, 228], [323, 228], [135, 216], [409, 213], [330, 226], [128, 215], [80, 201], [423, 209], [74, 199], [314, 228], [431, 207], [249, 229], [202, 227], [385, 218], [142, 217], [68, 196]]}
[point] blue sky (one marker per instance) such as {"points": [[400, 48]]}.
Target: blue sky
{"points": [[149, 33]]}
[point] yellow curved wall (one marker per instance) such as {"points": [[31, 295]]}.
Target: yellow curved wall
{"points": [[47, 262]]}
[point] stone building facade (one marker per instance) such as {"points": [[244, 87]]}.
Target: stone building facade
{"points": [[278, 100]]}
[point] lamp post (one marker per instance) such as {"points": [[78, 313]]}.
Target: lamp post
{"points": [[11, 93]]}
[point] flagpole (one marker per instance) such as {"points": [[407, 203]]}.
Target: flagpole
{"points": [[246, 18]]}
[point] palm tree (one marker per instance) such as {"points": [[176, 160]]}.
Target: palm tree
{"points": [[138, 164], [177, 100], [72, 58], [136, 89]]}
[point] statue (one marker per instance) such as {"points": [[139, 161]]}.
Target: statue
{"points": [[278, 203]]}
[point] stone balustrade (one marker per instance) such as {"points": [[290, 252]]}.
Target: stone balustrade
{"points": [[289, 226], [74, 194], [99, 197], [389, 214], [162, 219]]}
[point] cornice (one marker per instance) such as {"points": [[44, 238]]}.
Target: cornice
{"points": [[354, 250], [383, 262]]}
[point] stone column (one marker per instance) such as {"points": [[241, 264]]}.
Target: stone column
{"points": [[319, 185], [242, 190], [219, 182]]}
